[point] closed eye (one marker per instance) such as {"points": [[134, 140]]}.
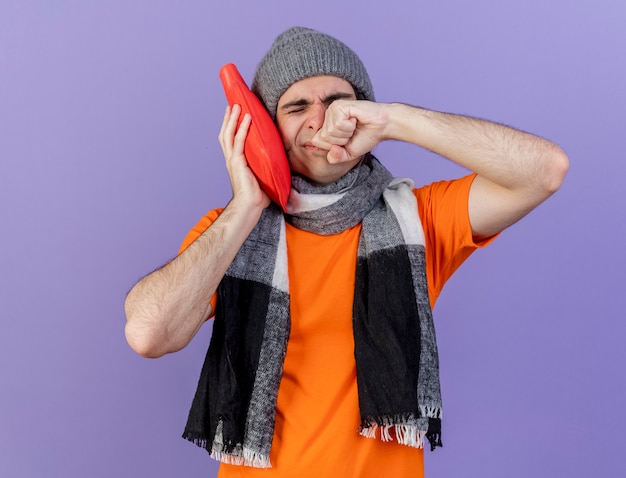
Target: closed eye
{"points": [[295, 106], [300, 105], [338, 96]]}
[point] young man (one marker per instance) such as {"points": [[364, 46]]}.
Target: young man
{"points": [[323, 359]]}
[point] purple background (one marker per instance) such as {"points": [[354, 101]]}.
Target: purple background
{"points": [[109, 115]]}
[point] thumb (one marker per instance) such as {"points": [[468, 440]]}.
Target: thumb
{"points": [[337, 154]]}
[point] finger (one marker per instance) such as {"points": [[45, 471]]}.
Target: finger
{"points": [[242, 133], [335, 131], [229, 127], [338, 154], [320, 141], [220, 136], [231, 124]]}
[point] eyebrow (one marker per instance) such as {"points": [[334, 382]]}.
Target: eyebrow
{"points": [[328, 100]]}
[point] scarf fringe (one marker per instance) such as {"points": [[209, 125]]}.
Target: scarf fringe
{"points": [[430, 411], [246, 457], [249, 458], [408, 435]]}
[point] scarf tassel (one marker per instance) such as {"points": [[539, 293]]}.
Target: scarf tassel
{"points": [[231, 453], [247, 458], [408, 435], [404, 432]]}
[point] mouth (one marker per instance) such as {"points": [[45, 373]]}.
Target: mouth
{"points": [[311, 147]]}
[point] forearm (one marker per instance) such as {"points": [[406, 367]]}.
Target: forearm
{"points": [[166, 308], [516, 171], [508, 157]]}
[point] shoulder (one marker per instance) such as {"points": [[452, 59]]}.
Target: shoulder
{"points": [[201, 226], [452, 191], [444, 213], [444, 201]]}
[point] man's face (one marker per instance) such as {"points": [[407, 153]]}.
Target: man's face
{"points": [[300, 114]]}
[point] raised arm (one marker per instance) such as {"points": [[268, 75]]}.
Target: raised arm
{"points": [[516, 170], [165, 309]]}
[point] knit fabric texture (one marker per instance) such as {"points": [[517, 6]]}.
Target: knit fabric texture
{"points": [[233, 412], [300, 53]]}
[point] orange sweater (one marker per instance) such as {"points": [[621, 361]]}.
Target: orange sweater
{"points": [[317, 416]]}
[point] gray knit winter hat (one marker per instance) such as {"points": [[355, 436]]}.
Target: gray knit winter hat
{"points": [[299, 53]]}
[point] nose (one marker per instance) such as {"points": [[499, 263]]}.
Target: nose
{"points": [[315, 118]]}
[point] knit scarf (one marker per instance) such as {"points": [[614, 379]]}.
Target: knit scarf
{"points": [[233, 412]]}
